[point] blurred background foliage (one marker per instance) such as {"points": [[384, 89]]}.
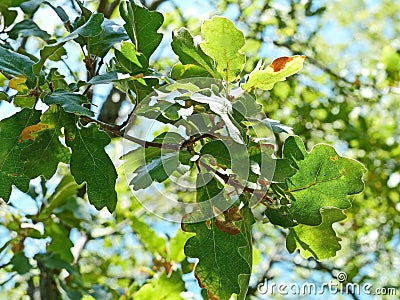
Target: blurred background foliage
{"points": [[347, 95]]}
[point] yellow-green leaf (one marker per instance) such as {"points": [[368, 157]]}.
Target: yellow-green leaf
{"points": [[18, 83], [223, 42], [318, 241], [278, 70]]}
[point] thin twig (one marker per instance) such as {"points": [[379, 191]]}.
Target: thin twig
{"points": [[116, 131]]}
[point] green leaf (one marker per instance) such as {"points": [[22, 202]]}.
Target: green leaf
{"points": [[141, 26], [27, 28], [140, 86], [224, 265], [219, 151], [11, 167], [92, 27], [65, 190], [30, 7], [59, 11], [91, 164], [43, 155], [55, 262], [324, 179], [246, 252], [8, 15], [60, 243], [12, 3], [110, 35], [104, 78], [223, 42], [278, 70], [280, 216], [129, 51], [245, 107], [318, 241], [4, 96], [153, 161], [89, 29], [20, 263], [283, 170], [56, 79], [149, 238], [143, 87], [277, 127], [163, 111], [190, 53], [16, 64], [23, 101], [129, 60], [162, 287], [176, 245], [70, 102], [58, 54], [158, 169], [208, 187], [271, 169], [180, 71]]}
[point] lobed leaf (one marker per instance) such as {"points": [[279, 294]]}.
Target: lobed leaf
{"points": [[224, 265], [246, 252], [219, 151], [42, 156], [223, 43], [130, 60], [176, 251], [323, 179], [318, 241], [11, 167], [91, 164]]}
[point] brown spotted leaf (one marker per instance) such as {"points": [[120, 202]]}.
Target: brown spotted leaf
{"points": [[46, 151], [11, 143], [278, 70]]}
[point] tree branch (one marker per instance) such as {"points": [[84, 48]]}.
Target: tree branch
{"points": [[116, 131]]}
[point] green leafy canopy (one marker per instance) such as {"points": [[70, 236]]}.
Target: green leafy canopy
{"points": [[211, 134]]}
